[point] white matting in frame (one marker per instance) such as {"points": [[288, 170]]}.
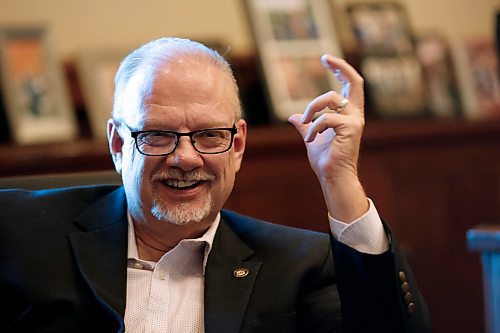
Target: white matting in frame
{"points": [[291, 37], [35, 92], [96, 71]]}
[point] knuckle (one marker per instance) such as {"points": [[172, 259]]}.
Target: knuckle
{"points": [[343, 61], [319, 121], [329, 96], [359, 80], [359, 123], [331, 93]]}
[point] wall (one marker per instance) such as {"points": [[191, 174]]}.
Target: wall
{"points": [[94, 24]]}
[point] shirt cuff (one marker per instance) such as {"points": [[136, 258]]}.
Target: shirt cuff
{"points": [[366, 234]]}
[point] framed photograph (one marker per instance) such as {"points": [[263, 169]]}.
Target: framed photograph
{"points": [[381, 28], [291, 36], [96, 73], [442, 95], [477, 71], [395, 86], [34, 90], [394, 80]]}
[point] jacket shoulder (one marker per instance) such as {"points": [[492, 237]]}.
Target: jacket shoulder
{"points": [[271, 236], [248, 223], [26, 204], [84, 193]]}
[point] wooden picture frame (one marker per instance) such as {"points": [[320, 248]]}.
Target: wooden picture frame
{"points": [[35, 94], [291, 36], [96, 72]]}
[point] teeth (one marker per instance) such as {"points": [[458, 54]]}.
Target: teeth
{"points": [[180, 183]]}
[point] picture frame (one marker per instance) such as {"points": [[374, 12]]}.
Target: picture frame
{"points": [[395, 85], [37, 104], [291, 36], [476, 66], [381, 28], [442, 91], [96, 72]]}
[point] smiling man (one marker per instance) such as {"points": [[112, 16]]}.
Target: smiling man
{"points": [[159, 254]]}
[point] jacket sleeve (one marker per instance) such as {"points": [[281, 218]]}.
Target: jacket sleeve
{"points": [[378, 292]]}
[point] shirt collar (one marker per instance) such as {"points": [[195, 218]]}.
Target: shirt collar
{"points": [[206, 239]]}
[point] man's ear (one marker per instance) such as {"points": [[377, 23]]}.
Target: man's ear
{"points": [[239, 143], [115, 143]]}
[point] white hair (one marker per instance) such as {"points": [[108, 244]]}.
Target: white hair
{"points": [[145, 60]]}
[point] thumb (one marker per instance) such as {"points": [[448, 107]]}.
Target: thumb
{"points": [[296, 121]]}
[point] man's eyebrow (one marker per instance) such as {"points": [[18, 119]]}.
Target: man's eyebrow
{"points": [[146, 125], [150, 125]]}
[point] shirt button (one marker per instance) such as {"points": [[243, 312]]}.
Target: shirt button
{"points": [[161, 275]]}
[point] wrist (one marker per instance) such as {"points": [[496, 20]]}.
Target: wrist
{"points": [[345, 197]]}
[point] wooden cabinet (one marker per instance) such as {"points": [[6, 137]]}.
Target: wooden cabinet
{"points": [[430, 180]]}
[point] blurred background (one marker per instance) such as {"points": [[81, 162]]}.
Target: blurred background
{"points": [[80, 25], [430, 155]]}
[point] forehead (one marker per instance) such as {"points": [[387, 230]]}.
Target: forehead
{"points": [[190, 79], [187, 89]]}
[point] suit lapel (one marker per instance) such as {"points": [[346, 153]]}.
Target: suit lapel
{"points": [[101, 254], [229, 279], [101, 251]]}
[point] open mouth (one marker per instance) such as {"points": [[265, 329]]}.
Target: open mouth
{"points": [[182, 184]]}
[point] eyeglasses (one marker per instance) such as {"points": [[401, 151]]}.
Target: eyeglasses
{"points": [[205, 141]]}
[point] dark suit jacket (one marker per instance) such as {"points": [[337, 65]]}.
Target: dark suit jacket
{"points": [[63, 268]]}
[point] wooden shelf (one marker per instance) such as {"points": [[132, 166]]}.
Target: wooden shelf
{"points": [[264, 140], [74, 156]]}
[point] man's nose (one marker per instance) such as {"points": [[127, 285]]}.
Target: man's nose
{"points": [[185, 155]]}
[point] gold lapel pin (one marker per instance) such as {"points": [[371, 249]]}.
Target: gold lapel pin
{"points": [[240, 272]]}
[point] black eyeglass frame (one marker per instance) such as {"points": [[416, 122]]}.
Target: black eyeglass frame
{"points": [[135, 134]]}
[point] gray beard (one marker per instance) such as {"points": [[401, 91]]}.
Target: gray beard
{"points": [[181, 214]]}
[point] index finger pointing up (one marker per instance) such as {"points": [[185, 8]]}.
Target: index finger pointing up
{"points": [[349, 74]]}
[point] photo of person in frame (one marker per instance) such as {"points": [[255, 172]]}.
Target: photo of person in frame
{"points": [[292, 23], [305, 76]]}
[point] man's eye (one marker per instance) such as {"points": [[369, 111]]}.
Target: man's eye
{"points": [[211, 134], [157, 139]]}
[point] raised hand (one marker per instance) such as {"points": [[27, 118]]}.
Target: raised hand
{"points": [[333, 140]]}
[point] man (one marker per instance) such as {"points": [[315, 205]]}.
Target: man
{"points": [[160, 255]]}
